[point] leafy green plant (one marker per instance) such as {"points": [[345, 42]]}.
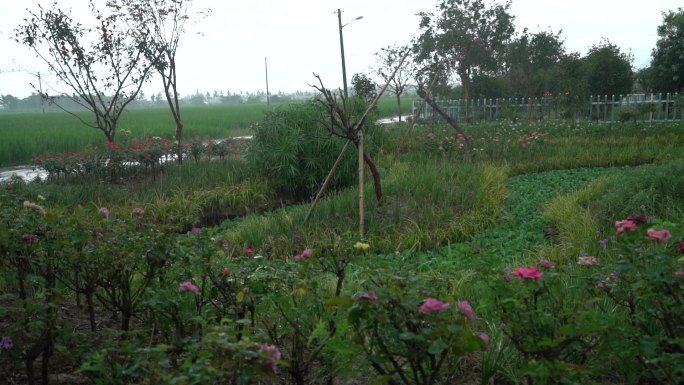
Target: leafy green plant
{"points": [[407, 335], [293, 151]]}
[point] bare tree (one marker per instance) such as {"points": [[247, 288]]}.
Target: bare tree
{"points": [[104, 64], [388, 58], [343, 122], [167, 21]]}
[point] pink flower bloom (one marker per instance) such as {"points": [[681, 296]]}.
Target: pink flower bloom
{"points": [[304, 255], [625, 226], [249, 251], [485, 338], [273, 355], [432, 305], [187, 286], [587, 261], [679, 274], [545, 263], [138, 211], [196, 230], [661, 236], [466, 309], [528, 273], [226, 272], [104, 212], [681, 247], [368, 297]]}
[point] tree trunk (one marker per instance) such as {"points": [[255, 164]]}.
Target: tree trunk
{"points": [[376, 177], [91, 310], [465, 81], [399, 105], [179, 136]]}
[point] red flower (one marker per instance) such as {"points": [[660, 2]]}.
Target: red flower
{"points": [[531, 273], [148, 155], [226, 272], [249, 250]]}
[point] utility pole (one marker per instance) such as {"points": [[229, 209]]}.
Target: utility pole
{"points": [[268, 98], [344, 68]]}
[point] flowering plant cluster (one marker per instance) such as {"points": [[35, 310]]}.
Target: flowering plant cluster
{"points": [[557, 318]]}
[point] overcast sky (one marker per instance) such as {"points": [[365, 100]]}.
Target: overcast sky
{"points": [[226, 51]]}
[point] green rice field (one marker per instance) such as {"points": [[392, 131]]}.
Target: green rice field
{"points": [[25, 135]]}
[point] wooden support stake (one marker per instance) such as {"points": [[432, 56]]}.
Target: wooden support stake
{"points": [[326, 182]]}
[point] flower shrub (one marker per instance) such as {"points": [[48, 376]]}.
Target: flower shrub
{"points": [[614, 321]]}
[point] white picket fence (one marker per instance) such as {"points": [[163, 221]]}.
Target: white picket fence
{"points": [[605, 109]]}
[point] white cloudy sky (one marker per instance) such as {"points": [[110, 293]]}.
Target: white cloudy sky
{"points": [[300, 37]]}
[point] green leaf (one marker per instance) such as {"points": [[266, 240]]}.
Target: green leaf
{"points": [[437, 347]]}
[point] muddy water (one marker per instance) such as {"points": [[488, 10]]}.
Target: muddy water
{"points": [[24, 172]]}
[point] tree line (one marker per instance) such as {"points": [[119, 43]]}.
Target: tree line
{"points": [[468, 50]]}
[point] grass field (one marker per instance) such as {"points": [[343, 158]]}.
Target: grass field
{"points": [[25, 135]]}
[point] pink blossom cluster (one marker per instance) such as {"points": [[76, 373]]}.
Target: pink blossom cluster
{"points": [[188, 286], [273, 354], [303, 255]]}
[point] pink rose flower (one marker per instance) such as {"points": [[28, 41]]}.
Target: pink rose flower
{"points": [[625, 226], [661, 236], [432, 305], [466, 309], [530, 273], [187, 286], [196, 230]]}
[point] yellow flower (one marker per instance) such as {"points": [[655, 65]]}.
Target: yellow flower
{"points": [[361, 246]]}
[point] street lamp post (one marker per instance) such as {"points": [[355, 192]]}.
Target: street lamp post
{"points": [[344, 68]]}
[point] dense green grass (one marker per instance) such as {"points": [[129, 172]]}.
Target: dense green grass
{"points": [[426, 206]]}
